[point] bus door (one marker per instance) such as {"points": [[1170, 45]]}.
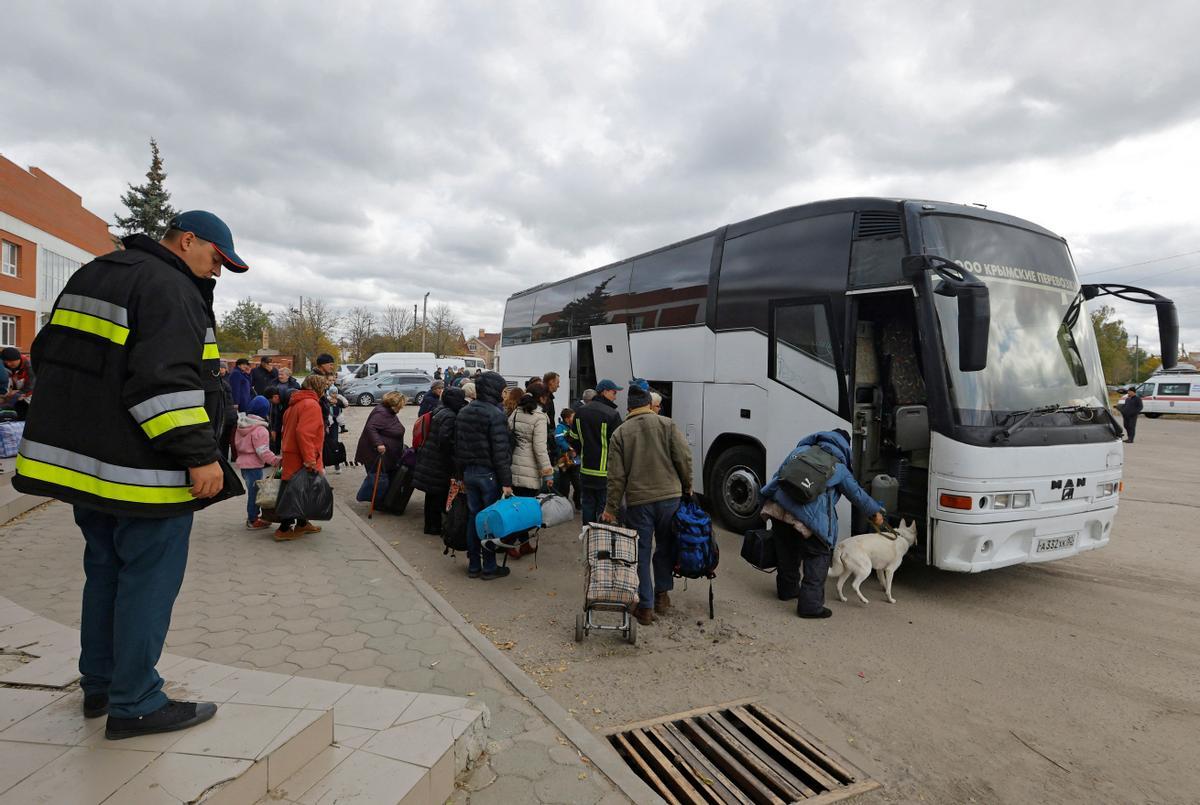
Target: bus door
{"points": [[889, 405], [610, 354]]}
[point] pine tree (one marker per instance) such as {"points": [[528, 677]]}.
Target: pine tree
{"points": [[148, 204]]}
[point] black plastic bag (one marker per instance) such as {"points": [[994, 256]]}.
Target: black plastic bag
{"points": [[758, 548], [306, 495]]}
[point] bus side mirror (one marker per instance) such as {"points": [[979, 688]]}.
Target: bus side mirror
{"points": [[1168, 317], [974, 305]]}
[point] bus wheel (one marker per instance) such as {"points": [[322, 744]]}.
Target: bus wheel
{"points": [[1155, 415], [733, 486]]}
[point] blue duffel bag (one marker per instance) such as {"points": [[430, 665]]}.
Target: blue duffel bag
{"points": [[508, 516]]}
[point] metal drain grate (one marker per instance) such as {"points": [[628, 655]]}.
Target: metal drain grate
{"points": [[740, 754]]}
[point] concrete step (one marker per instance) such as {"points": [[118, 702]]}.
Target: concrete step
{"points": [[275, 738], [13, 503]]}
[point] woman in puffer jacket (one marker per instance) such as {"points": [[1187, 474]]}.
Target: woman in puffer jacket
{"points": [[531, 465], [435, 459]]}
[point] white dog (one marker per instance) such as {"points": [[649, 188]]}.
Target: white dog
{"points": [[862, 553]]}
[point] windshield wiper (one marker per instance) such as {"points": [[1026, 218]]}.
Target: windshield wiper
{"points": [[1029, 413]]}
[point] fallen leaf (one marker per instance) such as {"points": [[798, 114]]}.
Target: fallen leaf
{"points": [[583, 775], [470, 693], [596, 710], [861, 675], [551, 594]]}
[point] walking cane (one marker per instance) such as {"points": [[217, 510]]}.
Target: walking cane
{"points": [[375, 489]]}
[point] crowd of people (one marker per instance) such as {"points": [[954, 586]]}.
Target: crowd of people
{"points": [[497, 440], [286, 425]]}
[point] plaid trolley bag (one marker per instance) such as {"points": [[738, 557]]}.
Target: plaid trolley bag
{"points": [[610, 559]]}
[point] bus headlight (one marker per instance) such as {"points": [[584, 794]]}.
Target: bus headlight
{"points": [[1108, 489], [1002, 501]]}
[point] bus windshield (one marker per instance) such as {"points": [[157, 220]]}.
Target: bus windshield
{"points": [[1041, 348]]}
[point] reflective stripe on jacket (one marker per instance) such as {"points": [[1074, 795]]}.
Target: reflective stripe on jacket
{"points": [[595, 424], [129, 395]]}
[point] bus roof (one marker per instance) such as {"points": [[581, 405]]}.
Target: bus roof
{"points": [[812, 210]]}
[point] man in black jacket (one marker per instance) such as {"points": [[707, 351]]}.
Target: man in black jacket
{"points": [[483, 455], [1131, 406], [264, 375], [135, 328], [595, 424]]}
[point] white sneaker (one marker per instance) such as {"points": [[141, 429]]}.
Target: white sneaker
{"points": [[337, 470]]}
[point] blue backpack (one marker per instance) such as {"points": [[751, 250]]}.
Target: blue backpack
{"points": [[696, 551]]}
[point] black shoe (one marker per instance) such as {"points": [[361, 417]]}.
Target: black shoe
{"points": [[95, 705], [498, 573], [171, 716], [788, 596], [474, 574], [825, 612]]}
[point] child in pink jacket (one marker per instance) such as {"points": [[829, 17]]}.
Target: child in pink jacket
{"points": [[252, 442]]}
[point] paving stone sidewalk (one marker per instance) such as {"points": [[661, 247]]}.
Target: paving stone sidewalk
{"points": [[330, 606]]}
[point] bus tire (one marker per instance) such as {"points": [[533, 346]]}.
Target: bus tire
{"points": [[733, 484], [1155, 415]]}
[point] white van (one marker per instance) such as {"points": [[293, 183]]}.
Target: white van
{"points": [[1174, 391], [425, 362]]}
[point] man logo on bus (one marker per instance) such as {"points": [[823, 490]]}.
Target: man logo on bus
{"points": [[1068, 486]]}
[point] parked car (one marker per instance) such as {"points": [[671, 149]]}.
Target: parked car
{"points": [[370, 390]]}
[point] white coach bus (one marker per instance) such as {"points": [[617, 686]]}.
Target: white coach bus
{"points": [[951, 341]]}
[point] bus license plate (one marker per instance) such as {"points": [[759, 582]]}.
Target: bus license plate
{"points": [[1055, 543]]}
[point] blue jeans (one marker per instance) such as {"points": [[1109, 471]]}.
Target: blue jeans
{"points": [[653, 520], [592, 500], [482, 491], [250, 476], [134, 568]]}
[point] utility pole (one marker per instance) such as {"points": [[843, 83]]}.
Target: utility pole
{"points": [[1137, 358], [424, 319]]}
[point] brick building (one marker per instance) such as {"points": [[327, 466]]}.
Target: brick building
{"points": [[45, 234], [485, 346]]}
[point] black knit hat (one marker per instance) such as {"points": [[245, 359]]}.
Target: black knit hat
{"points": [[10, 354]]}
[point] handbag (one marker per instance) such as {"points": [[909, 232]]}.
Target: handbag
{"points": [[268, 491], [758, 548], [306, 495]]}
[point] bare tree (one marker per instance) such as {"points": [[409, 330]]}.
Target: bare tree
{"points": [[395, 324], [360, 327], [307, 331], [444, 331]]}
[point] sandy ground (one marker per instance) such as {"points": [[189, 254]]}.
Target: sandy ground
{"points": [[1070, 681]]}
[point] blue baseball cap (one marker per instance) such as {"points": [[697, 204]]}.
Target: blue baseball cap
{"points": [[607, 385], [207, 226], [641, 383]]}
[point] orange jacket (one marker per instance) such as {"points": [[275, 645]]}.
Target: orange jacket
{"points": [[303, 432]]}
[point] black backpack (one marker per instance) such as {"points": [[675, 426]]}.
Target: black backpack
{"points": [[454, 524], [806, 475]]}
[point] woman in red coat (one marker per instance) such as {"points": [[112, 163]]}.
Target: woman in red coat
{"points": [[303, 436]]}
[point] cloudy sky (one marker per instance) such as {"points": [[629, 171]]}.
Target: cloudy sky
{"points": [[370, 152]]}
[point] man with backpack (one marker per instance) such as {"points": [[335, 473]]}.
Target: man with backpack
{"points": [[801, 500], [650, 468]]}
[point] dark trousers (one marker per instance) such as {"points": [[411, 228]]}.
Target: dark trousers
{"points": [[1130, 426], [435, 505], [656, 547], [793, 550], [566, 483], [482, 491], [134, 568], [592, 499]]}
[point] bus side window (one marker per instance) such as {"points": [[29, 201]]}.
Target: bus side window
{"points": [[802, 356]]}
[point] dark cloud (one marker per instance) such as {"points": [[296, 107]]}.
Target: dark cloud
{"points": [[372, 152]]}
